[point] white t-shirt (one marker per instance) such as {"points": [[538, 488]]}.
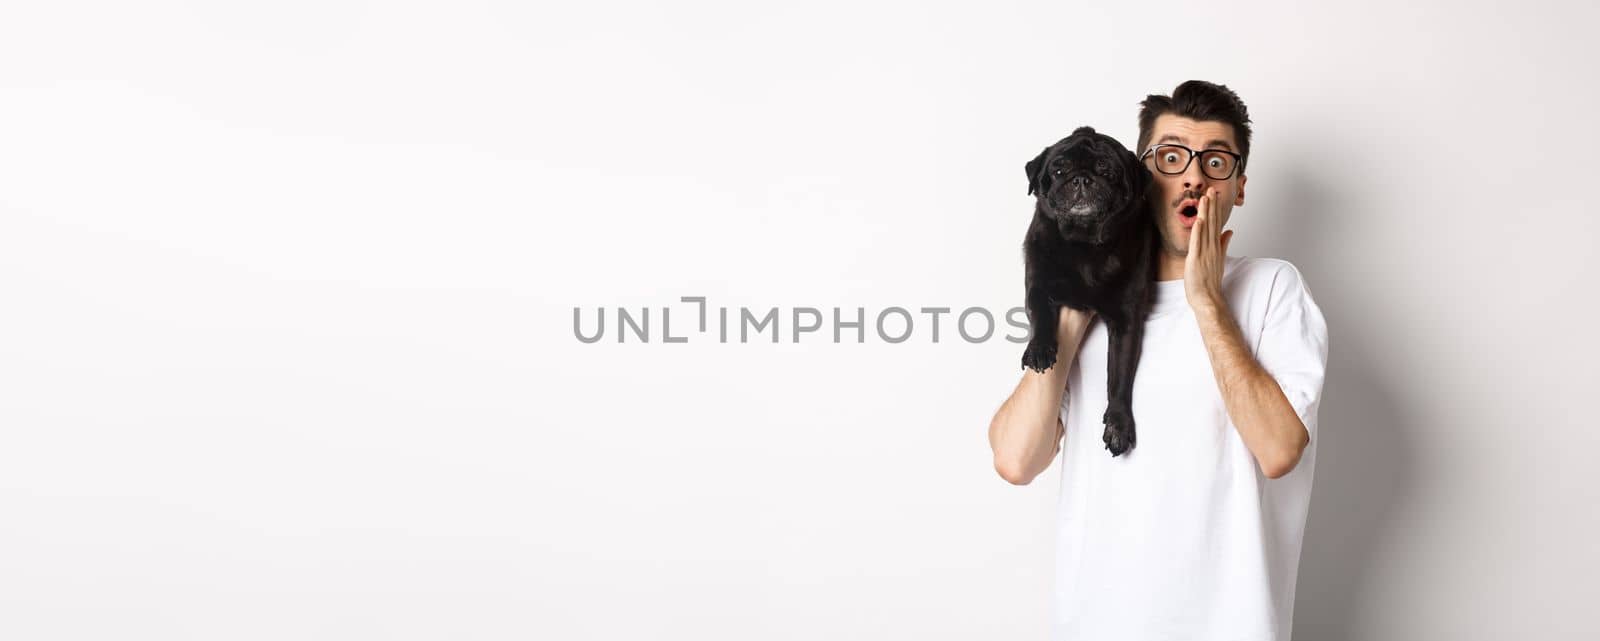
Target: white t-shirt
{"points": [[1183, 537]]}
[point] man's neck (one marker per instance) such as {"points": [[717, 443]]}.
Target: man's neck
{"points": [[1170, 267]]}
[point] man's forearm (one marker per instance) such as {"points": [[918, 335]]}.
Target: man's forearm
{"points": [[1026, 432], [1266, 421]]}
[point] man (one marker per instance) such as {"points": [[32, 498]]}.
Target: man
{"points": [[1195, 533]]}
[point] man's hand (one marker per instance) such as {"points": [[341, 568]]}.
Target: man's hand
{"points": [[1202, 268], [1074, 324]]}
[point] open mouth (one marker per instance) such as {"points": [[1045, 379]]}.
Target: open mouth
{"points": [[1188, 214]]}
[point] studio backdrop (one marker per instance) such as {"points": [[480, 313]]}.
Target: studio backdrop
{"points": [[635, 320]]}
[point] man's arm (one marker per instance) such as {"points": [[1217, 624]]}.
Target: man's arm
{"points": [[1026, 431], [1266, 421]]}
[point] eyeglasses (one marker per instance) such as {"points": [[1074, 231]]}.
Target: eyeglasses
{"points": [[1174, 159]]}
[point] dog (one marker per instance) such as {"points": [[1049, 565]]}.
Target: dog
{"points": [[1092, 245]]}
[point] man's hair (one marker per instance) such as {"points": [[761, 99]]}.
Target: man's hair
{"points": [[1203, 101]]}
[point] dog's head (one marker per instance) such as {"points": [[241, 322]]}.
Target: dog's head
{"points": [[1089, 185]]}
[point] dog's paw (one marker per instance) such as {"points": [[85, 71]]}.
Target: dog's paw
{"points": [[1039, 356], [1119, 434]]}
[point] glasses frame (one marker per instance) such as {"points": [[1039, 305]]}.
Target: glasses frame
{"points": [[1192, 155]]}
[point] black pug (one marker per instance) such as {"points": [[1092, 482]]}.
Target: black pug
{"points": [[1091, 245]]}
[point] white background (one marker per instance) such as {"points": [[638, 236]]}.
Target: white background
{"points": [[286, 293]]}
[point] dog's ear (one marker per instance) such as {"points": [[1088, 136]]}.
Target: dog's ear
{"points": [[1035, 168], [1145, 178], [1141, 176]]}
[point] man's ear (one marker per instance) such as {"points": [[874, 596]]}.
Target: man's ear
{"points": [[1239, 200], [1034, 167]]}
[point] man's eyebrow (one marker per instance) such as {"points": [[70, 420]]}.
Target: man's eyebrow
{"points": [[1209, 145]]}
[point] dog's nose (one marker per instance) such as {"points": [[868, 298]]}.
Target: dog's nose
{"points": [[1078, 181]]}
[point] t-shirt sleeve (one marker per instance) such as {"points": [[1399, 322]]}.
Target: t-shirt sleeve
{"points": [[1294, 344]]}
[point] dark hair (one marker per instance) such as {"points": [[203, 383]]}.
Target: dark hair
{"points": [[1198, 100]]}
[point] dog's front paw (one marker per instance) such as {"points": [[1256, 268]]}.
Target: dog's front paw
{"points": [[1040, 355], [1119, 434]]}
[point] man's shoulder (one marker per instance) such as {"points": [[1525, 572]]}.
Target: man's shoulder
{"points": [[1266, 263], [1274, 273], [1282, 288]]}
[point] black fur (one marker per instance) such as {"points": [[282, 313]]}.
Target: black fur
{"points": [[1092, 245]]}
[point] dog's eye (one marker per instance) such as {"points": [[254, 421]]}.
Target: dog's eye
{"points": [[1056, 172]]}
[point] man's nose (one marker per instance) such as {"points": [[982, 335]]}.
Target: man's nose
{"points": [[1193, 178]]}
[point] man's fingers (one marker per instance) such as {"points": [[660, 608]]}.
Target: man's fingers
{"points": [[1194, 233], [1211, 212]]}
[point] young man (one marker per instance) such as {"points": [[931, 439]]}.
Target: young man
{"points": [[1195, 533]]}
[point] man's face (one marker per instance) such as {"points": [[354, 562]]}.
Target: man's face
{"points": [[1170, 195]]}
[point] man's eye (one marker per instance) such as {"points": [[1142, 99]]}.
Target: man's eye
{"points": [[1171, 157], [1216, 162]]}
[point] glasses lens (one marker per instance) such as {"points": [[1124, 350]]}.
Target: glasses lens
{"points": [[1171, 159], [1217, 165]]}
